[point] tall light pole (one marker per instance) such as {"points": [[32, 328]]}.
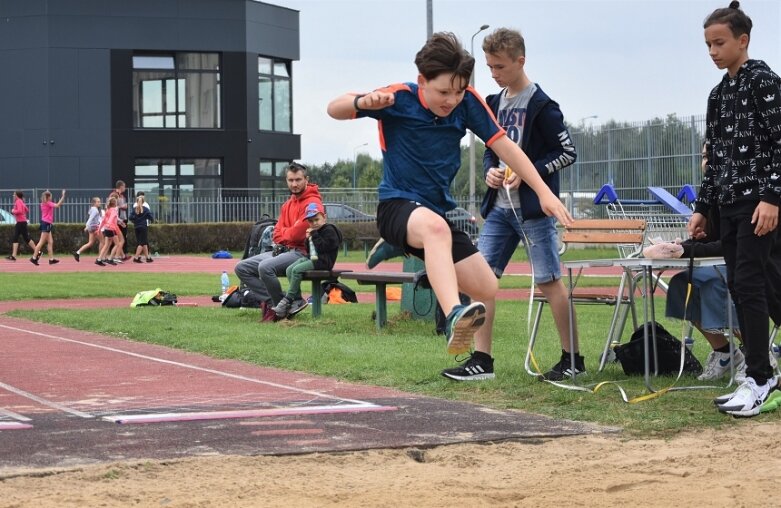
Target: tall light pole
{"points": [[472, 134], [355, 160]]}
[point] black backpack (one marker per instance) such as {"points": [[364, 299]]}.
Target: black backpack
{"points": [[668, 349], [260, 236], [347, 293]]}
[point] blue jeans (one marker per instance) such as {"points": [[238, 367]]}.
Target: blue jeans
{"points": [[501, 234]]}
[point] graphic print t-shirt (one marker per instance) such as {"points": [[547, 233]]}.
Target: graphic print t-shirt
{"points": [[512, 117]]}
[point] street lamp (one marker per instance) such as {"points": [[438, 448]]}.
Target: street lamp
{"points": [[583, 120], [472, 134], [355, 160]]}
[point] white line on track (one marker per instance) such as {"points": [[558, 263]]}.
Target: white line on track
{"points": [[15, 416], [45, 402], [187, 366]]}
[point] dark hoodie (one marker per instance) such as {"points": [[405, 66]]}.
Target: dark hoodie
{"points": [[743, 138], [290, 229], [547, 143], [327, 240]]}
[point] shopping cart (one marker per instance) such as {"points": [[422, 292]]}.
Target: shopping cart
{"points": [[666, 216]]}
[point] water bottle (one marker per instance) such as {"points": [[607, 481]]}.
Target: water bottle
{"points": [[224, 282], [312, 250]]}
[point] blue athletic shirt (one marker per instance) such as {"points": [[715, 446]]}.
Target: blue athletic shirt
{"points": [[422, 152]]}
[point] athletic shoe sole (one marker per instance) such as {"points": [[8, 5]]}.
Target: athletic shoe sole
{"points": [[772, 402], [296, 310], [723, 399], [463, 331], [476, 377]]}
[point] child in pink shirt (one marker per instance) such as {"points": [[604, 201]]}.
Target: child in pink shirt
{"points": [[47, 227], [20, 212], [112, 236]]}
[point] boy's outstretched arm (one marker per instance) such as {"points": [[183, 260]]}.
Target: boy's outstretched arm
{"points": [[345, 106], [516, 159]]}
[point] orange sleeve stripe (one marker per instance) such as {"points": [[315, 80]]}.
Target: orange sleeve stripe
{"points": [[487, 108], [494, 138], [501, 132], [396, 87], [382, 136]]}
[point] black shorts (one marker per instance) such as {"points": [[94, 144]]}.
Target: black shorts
{"points": [[46, 227], [20, 230], [141, 237], [392, 218], [108, 233]]}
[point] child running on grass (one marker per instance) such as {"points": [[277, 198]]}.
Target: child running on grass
{"points": [[421, 127], [112, 236], [323, 240], [91, 228], [20, 212], [47, 227], [141, 216]]}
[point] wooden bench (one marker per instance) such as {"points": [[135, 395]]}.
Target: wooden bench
{"points": [[318, 277], [380, 281]]}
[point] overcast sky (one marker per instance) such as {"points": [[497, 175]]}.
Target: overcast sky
{"points": [[627, 60]]}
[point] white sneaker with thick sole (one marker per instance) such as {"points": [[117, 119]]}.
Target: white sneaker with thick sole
{"points": [[749, 398]]}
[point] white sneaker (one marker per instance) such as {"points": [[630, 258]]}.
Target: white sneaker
{"points": [[748, 399], [718, 364]]}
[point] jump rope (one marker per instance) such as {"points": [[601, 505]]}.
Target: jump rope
{"points": [[594, 388]]}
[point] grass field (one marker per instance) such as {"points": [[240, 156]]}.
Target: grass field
{"points": [[407, 355]]}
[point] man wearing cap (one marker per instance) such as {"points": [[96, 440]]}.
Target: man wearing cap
{"points": [[261, 273]]}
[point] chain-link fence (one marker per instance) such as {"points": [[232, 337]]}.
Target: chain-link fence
{"points": [[660, 152]]}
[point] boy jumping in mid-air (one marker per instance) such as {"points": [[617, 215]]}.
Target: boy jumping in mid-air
{"points": [[421, 127]]}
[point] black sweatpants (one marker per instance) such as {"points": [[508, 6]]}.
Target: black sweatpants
{"points": [[752, 271]]}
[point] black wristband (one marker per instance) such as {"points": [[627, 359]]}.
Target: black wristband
{"points": [[355, 102]]}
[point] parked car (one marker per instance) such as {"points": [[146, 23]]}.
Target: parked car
{"points": [[337, 212], [464, 220], [6, 217]]}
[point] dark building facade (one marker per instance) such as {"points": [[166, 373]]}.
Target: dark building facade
{"points": [[171, 96]]}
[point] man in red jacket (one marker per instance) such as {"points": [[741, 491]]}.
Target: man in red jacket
{"points": [[261, 273]]}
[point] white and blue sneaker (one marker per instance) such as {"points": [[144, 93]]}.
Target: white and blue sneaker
{"points": [[749, 398], [718, 364]]}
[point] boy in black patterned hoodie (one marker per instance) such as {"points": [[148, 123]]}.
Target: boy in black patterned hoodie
{"points": [[742, 179]]}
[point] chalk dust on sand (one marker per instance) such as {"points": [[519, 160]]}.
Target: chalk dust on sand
{"points": [[703, 468]]}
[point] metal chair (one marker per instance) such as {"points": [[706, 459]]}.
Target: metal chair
{"points": [[628, 236]]}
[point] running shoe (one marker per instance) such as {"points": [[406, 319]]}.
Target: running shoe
{"points": [[477, 367], [564, 369], [749, 399], [382, 251], [461, 325]]}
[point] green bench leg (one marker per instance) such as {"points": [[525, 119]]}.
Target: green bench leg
{"points": [[317, 298], [382, 310]]}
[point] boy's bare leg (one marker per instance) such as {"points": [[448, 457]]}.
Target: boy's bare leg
{"points": [[476, 279], [558, 299], [427, 230]]}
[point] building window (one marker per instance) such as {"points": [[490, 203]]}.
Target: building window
{"points": [[275, 104], [177, 188], [273, 177], [176, 91]]}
